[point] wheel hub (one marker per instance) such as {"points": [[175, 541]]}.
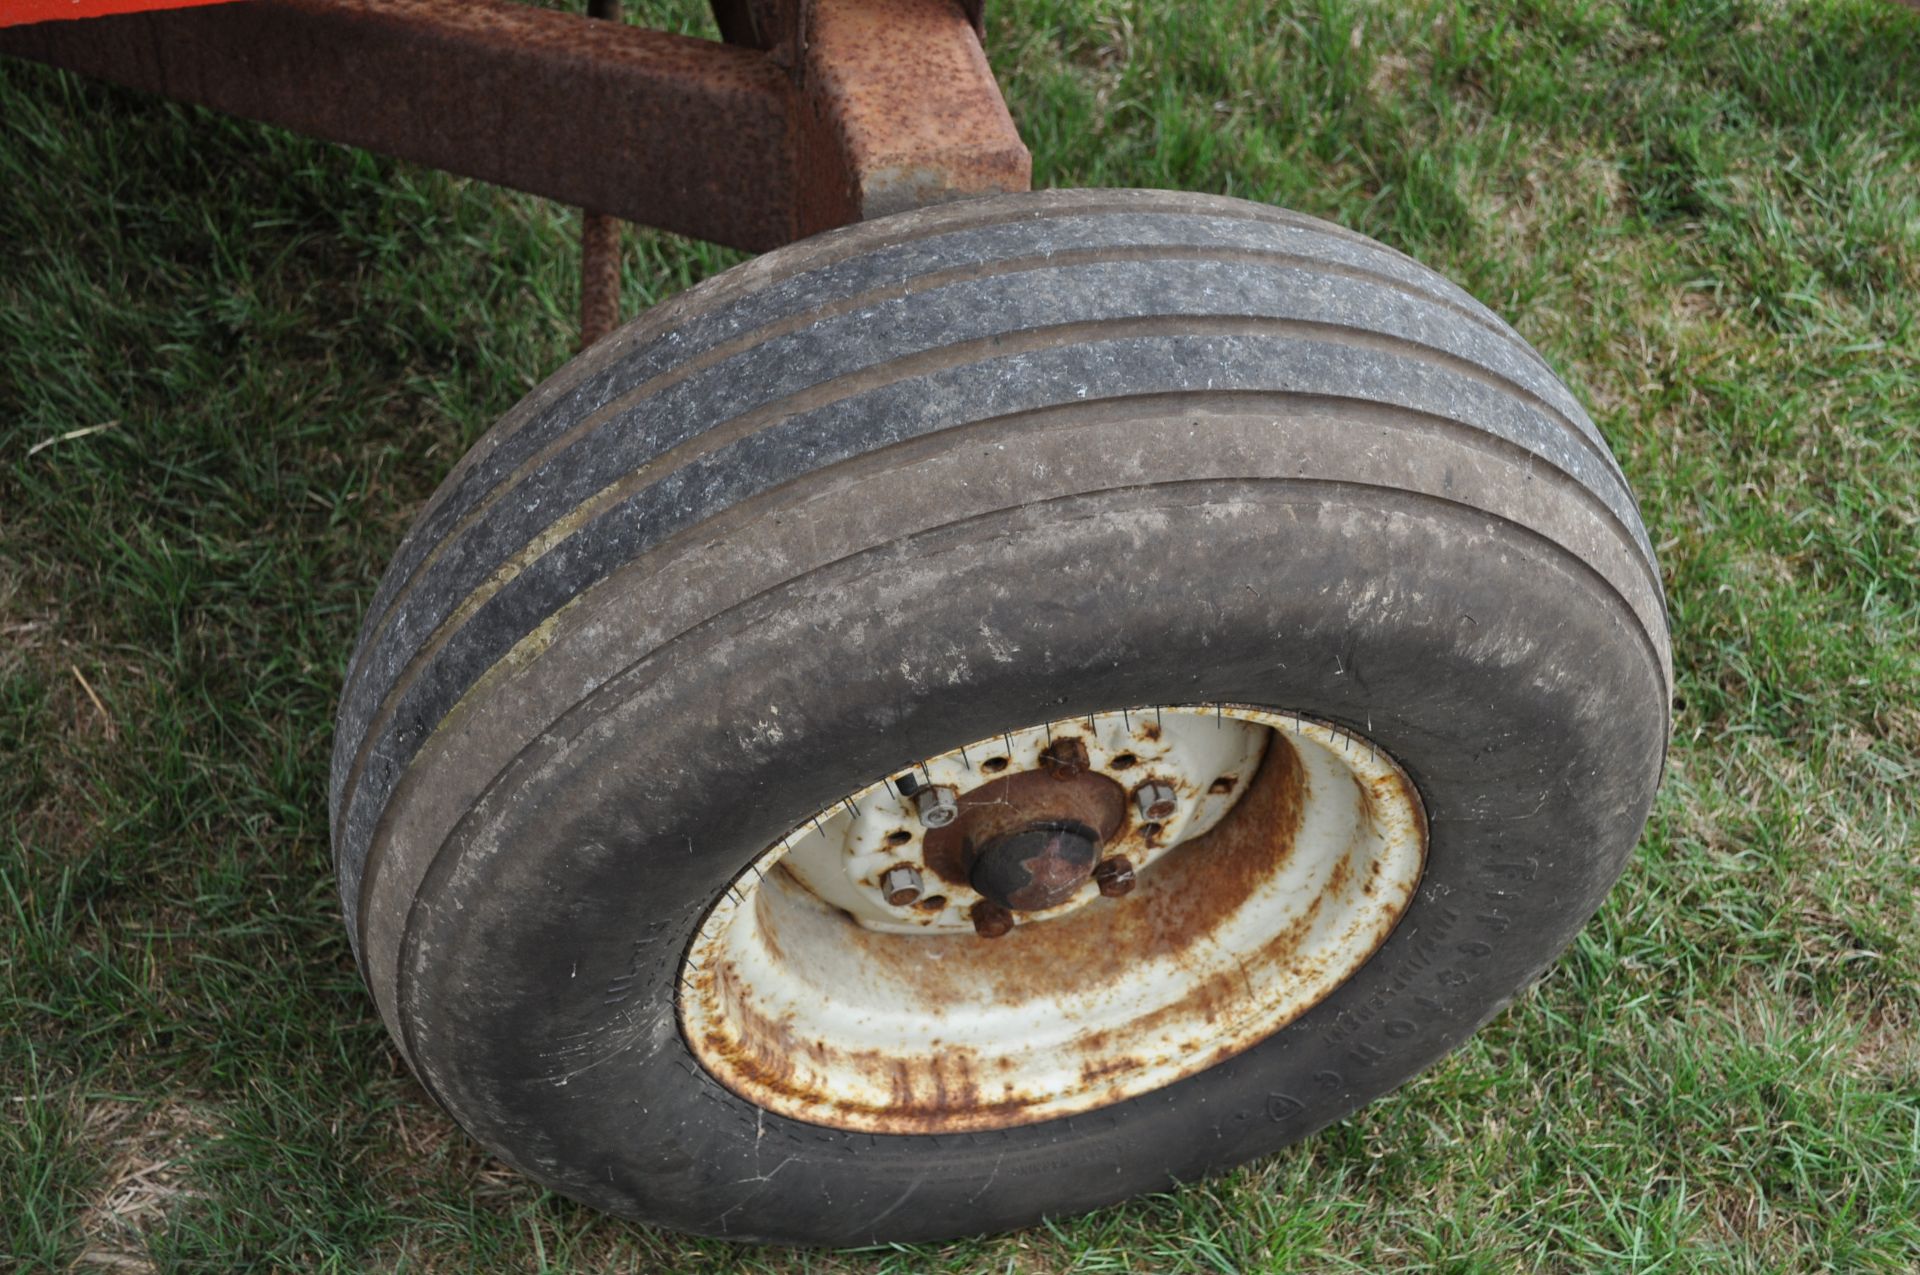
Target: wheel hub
{"points": [[1141, 931], [1039, 867], [1139, 784]]}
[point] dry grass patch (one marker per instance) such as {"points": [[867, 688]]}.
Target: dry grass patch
{"points": [[145, 1178]]}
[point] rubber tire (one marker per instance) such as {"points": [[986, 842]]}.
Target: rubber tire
{"points": [[907, 484]]}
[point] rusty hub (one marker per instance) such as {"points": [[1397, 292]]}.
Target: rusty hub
{"points": [[1016, 805], [1038, 867]]}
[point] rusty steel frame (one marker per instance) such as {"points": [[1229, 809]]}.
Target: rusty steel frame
{"points": [[815, 114]]}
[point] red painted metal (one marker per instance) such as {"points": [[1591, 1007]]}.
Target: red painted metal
{"points": [[17, 12]]}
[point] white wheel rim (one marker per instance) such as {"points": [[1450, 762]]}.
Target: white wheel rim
{"points": [[806, 993]]}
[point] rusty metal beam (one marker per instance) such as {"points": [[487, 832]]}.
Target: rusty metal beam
{"points": [[846, 109], [684, 134], [768, 24]]}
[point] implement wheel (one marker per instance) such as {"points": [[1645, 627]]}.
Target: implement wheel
{"points": [[984, 713]]}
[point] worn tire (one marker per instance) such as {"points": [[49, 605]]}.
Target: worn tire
{"points": [[908, 484]]}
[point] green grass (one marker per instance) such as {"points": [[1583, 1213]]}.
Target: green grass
{"points": [[1707, 215]]}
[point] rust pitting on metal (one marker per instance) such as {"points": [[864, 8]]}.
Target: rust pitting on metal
{"points": [[1394, 789], [901, 93], [766, 1046], [1342, 871]]}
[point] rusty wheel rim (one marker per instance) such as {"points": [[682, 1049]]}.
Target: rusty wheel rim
{"points": [[1248, 863]]}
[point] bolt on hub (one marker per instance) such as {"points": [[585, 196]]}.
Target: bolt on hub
{"points": [[901, 885], [1156, 800], [936, 806], [1114, 876], [990, 920]]}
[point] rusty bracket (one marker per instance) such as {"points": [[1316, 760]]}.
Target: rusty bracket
{"points": [[857, 108], [905, 108]]}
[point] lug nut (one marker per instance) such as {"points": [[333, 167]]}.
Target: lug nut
{"points": [[936, 806], [1114, 876], [1065, 758], [1155, 800], [990, 920], [900, 884]]}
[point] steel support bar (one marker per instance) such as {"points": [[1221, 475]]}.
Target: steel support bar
{"points": [[599, 243], [680, 133], [739, 145]]}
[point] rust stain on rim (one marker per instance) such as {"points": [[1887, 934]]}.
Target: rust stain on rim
{"points": [[1227, 938]]}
